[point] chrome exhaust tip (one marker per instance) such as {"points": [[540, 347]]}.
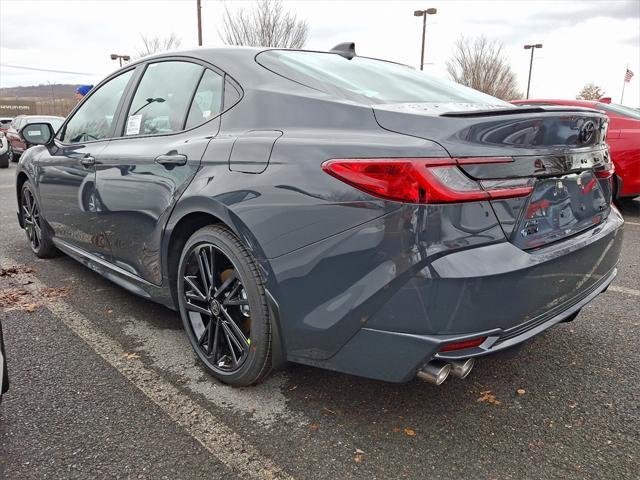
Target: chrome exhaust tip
{"points": [[434, 372], [462, 368]]}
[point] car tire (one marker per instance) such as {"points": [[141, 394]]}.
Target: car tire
{"points": [[13, 156], [4, 160], [37, 230], [229, 324]]}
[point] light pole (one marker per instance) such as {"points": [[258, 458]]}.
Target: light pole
{"points": [[423, 14], [199, 8], [531, 47], [120, 58]]}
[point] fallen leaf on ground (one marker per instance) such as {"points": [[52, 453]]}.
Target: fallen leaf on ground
{"points": [[359, 451], [521, 391], [396, 429], [30, 307], [489, 397], [50, 292], [131, 356], [314, 426], [14, 270], [109, 311], [325, 409], [410, 432], [13, 298]]}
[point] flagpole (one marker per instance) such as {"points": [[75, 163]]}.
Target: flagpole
{"points": [[624, 81]]}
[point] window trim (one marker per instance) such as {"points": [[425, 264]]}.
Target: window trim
{"points": [[120, 127], [116, 114]]}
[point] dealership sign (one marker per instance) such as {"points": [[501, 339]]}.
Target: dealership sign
{"points": [[13, 108]]}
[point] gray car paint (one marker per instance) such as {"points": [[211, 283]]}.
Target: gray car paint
{"points": [[356, 282]]}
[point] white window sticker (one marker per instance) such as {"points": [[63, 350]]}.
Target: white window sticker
{"points": [[133, 124]]}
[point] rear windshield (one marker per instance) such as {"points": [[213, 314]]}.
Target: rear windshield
{"points": [[376, 80], [620, 110]]}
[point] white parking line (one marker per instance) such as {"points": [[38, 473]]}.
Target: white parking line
{"points": [[636, 224], [629, 291], [221, 441]]}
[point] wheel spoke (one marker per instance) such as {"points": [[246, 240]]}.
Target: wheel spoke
{"points": [[205, 332], [202, 270], [231, 340], [212, 340], [239, 335], [225, 286], [195, 288], [236, 302], [195, 308]]}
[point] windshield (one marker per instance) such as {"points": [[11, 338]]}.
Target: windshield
{"points": [[620, 110], [377, 80]]}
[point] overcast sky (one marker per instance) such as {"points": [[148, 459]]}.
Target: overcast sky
{"points": [[584, 41]]}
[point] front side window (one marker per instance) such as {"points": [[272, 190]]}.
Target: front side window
{"points": [[377, 81], [207, 102], [94, 119], [162, 99]]}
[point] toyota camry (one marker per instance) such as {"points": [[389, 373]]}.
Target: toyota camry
{"points": [[329, 209]]}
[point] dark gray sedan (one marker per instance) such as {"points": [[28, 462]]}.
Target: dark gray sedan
{"points": [[328, 209]]}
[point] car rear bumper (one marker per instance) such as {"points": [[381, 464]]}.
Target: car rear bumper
{"points": [[496, 291]]}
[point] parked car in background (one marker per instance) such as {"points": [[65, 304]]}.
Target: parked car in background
{"points": [[17, 144], [623, 138], [4, 151], [327, 209], [5, 123]]}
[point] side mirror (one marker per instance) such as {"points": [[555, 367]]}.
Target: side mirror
{"points": [[37, 133]]}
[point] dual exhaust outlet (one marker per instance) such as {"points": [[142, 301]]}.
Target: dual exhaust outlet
{"points": [[437, 371]]}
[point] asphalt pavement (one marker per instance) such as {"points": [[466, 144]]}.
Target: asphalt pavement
{"points": [[105, 385]]}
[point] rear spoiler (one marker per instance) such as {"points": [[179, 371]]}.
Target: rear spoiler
{"points": [[518, 110]]}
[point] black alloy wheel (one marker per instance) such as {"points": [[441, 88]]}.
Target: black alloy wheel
{"points": [[34, 226], [223, 307]]}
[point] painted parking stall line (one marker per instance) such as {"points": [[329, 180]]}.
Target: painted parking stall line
{"points": [[628, 291], [221, 441]]}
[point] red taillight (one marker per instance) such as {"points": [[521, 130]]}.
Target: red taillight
{"points": [[464, 344], [423, 180]]}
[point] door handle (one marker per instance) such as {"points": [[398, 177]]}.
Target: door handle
{"points": [[172, 159], [88, 161]]}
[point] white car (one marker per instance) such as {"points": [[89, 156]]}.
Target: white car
{"points": [[4, 151]]}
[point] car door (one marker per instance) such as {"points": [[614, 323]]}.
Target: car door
{"points": [[171, 117], [66, 172]]}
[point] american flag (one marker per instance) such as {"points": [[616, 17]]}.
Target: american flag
{"points": [[628, 75]]}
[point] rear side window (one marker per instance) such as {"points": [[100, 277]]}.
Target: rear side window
{"points": [[207, 102], [163, 98], [370, 80], [94, 119]]}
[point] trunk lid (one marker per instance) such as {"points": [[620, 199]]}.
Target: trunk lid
{"points": [[561, 151]]}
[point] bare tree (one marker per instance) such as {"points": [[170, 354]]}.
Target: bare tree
{"points": [[590, 91], [481, 64], [267, 24], [151, 45]]}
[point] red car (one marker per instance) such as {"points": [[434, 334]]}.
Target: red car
{"points": [[17, 144], [623, 139]]}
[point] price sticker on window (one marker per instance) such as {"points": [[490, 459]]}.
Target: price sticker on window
{"points": [[133, 124]]}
